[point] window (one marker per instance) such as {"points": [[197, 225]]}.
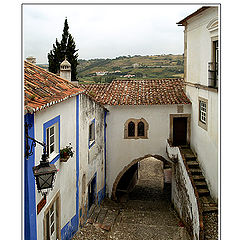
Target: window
{"points": [[140, 129], [131, 129], [50, 140], [203, 106], [91, 133], [52, 219], [51, 136], [213, 66], [135, 129]]}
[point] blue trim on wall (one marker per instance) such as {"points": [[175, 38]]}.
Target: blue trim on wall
{"points": [[77, 158], [47, 125], [105, 150], [93, 142], [68, 231], [30, 220]]}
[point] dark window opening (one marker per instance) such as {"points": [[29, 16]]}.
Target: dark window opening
{"points": [[140, 129], [92, 132], [213, 66], [131, 129]]}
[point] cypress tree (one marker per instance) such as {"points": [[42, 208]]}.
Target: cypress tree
{"points": [[66, 47]]}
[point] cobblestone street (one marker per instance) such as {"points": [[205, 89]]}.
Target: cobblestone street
{"points": [[146, 213]]}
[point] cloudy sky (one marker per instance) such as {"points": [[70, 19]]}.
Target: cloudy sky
{"points": [[105, 31]]}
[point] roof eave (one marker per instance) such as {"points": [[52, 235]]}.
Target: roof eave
{"points": [[184, 21]]}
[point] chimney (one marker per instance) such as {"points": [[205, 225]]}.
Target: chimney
{"points": [[31, 59], [65, 70]]}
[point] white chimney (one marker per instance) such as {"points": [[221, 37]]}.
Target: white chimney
{"points": [[65, 70], [31, 59]]}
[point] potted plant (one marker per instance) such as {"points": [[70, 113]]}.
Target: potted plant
{"points": [[66, 153]]}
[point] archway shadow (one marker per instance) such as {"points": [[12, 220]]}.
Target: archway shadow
{"points": [[146, 178]]}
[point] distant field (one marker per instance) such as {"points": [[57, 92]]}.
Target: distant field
{"points": [[158, 66]]}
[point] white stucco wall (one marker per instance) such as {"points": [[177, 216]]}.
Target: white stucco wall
{"points": [[120, 151], [187, 207], [203, 142], [65, 181], [91, 160], [199, 46]]}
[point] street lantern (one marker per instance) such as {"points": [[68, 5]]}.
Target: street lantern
{"points": [[45, 172]]}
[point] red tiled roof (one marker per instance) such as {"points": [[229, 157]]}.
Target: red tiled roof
{"points": [[42, 89], [139, 92]]}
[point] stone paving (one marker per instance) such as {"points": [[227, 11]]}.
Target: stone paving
{"points": [[146, 213]]}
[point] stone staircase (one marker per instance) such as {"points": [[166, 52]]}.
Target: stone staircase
{"points": [[208, 204], [209, 207]]}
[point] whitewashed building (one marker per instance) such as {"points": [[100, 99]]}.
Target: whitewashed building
{"points": [[60, 114], [142, 115], [201, 59]]}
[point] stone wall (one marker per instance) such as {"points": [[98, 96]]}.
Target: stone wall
{"points": [[184, 196]]}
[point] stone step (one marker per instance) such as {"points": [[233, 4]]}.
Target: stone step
{"points": [[109, 219], [101, 215], [192, 163], [203, 192], [196, 171], [210, 209], [94, 214], [198, 177], [201, 184]]}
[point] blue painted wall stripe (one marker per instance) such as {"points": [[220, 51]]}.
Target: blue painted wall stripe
{"points": [[77, 157], [105, 151], [30, 221]]}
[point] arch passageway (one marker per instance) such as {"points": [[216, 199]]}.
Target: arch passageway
{"points": [[151, 171]]}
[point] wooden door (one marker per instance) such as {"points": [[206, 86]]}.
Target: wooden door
{"points": [[179, 131]]}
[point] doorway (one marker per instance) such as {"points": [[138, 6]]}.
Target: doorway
{"points": [[52, 219], [92, 192], [180, 131]]}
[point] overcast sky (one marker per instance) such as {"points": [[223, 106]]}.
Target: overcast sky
{"points": [[105, 31]]}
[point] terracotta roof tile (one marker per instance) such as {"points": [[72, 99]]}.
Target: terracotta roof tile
{"points": [[42, 89], [139, 92]]}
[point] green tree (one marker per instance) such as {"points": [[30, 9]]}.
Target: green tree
{"points": [[66, 47]]}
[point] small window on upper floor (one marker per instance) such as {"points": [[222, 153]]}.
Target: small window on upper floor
{"points": [[140, 129], [91, 139], [131, 129], [52, 137], [203, 112], [213, 66], [135, 129]]}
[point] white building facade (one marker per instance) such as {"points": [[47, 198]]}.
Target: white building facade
{"points": [[201, 56], [80, 180]]}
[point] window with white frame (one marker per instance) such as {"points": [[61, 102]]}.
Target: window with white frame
{"points": [[203, 111], [51, 141], [51, 136]]}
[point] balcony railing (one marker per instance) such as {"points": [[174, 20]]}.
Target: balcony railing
{"points": [[213, 74]]}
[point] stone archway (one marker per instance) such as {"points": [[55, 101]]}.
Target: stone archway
{"points": [[124, 170]]}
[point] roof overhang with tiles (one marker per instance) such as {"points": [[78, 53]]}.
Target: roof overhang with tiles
{"points": [[139, 92], [43, 89]]}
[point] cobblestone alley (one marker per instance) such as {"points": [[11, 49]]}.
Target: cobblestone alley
{"points": [[146, 213]]}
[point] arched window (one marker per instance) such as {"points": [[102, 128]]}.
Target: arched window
{"points": [[131, 129], [140, 129]]}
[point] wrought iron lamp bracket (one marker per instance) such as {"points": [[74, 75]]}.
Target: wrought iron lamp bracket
{"points": [[28, 148]]}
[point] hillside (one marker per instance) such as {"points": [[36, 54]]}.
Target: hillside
{"points": [[105, 70]]}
